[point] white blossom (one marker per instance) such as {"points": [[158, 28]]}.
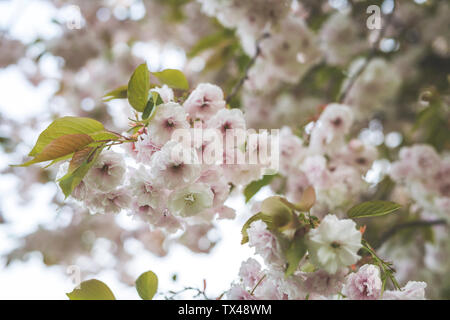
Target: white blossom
{"points": [[334, 243], [191, 200]]}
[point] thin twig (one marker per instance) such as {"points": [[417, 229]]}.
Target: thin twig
{"points": [[241, 81], [257, 284], [197, 290], [369, 58], [413, 224]]}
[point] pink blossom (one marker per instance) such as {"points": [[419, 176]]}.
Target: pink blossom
{"points": [[323, 283], [204, 101], [414, 290], [250, 272], [264, 242], [330, 129], [237, 292], [364, 284], [107, 173], [168, 118], [170, 170], [227, 119]]}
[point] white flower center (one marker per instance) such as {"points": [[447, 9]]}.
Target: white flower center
{"points": [[189, 198]]}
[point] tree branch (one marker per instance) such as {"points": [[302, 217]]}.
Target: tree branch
{"points": [[413, 224], [369, 58], [241, 81]]}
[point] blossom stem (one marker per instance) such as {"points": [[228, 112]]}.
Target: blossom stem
{"points": [[256, 285]]}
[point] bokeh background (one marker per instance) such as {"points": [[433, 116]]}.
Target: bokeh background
{"points": [[59, 57]]}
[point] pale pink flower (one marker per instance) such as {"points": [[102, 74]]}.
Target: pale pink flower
{"points": [[297, 182], [414, 290], [144, 148], [111, 202], [107, 172], [330, 129], [145, 191], [250, 272], [292, 151], [269, 289], [218, 184], [205, 101], [315, 169], [225, 212], [323, 283], [227, 119], [168, 117], [80, 192], [416, 162], [237, 292], [365, 284], [160, 218], [355, 154], [264, 242], [169, 169]]}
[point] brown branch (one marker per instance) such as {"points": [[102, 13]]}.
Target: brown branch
{"points": [[412, 224], [242, 80], [370, 56]]}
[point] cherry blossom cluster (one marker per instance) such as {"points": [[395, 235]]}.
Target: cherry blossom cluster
{"points": [[426, 176], [285, 55], [172, 192], [327, 272], [250, 18], [330, 164]]}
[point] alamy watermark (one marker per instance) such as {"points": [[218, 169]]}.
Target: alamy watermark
{"points": [[373, 22], [234, 146]]}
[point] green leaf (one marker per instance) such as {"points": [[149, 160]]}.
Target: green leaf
{"points": [[138, 88], [147, 285], [79, 158], [73, 178], [259, 216], [253, 187], [148, 109], [104, 135], [295, 253], [61, 147], [173, 78], [373, 209], [64, 126], [277, 208], [92, 290], [155, 100], [118, 93]]}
